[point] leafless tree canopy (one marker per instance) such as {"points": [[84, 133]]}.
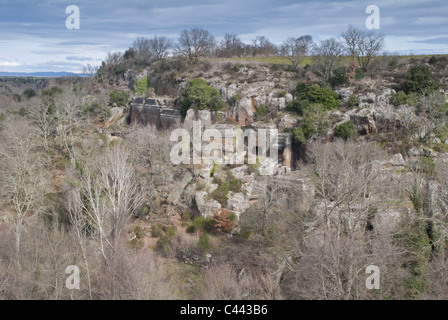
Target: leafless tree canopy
{"points": [[363, 45], [327, 55], [195, 43], [296, 49]]}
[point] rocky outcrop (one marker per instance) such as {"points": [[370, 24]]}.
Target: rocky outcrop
{"points": [[205, 206], [154, 111], [377, 119]]}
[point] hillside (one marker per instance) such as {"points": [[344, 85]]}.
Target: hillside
{"points": [[358, 178]]}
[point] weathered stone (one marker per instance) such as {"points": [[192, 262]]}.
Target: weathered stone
{"points": [[287, 121], [178, 188], [237, 202], [205, 206], [397, 160], [156, 115], [345, 94]]}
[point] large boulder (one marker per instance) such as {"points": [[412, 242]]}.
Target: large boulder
{"points": [[206, 207]]}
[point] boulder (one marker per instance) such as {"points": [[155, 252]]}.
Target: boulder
{"points": [[345, 94], [206, 207], [286, 121], [397, 160]]}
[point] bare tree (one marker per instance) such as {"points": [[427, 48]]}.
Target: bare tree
{"points": [[195, 43], [159, 46], [143, 48], [327, 55], [231, 46], [363, 45], [112, 193], [23, 176], [262, 46], [432, 114], [296, 49], [349, 188]]}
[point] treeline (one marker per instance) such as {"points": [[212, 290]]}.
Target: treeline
{"points": [[198, 43]]}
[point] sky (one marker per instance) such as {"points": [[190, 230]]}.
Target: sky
{"points": [[34, 36]]}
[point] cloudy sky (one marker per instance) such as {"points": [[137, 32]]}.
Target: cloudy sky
{"points": [[34, 37]]}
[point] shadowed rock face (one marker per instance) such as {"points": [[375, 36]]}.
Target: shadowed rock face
{"points": [[154, 111]]}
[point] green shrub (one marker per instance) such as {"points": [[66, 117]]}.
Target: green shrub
{"points": [[141, 86], [413, 99], [433, 60], [419, 80], [359, 74], [346, 131], [203, 224], [191, 229], [298, 136], [353, 101], [261, 112], [298, 106], [29, 93], [398, 98], [204, 243], [417, 199], [428, 166], [314, 94], [119, 97], [236, 97], [339, 77], [314, 121], [200, 96], [220, 193], [95, 109]]}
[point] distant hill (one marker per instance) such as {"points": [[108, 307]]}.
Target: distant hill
{"points": [[42, 74]]}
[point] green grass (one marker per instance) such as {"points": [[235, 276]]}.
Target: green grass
{"points": [[272, 60], [308, 60]]}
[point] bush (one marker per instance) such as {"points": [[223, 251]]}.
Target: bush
{"points": [[200, 96], [29, 93], [236, 97], [261, 112], [419, 80], [119, 97], [433, 60], [353, 101], [314, 94], [220, 193], [428, 166], [359, 74], [339, 77], [203, 224], [204, 242], [398, 98], [141, 86], [346, 131], [222, 220], [314, 121], [298, 136], [298, 106]]}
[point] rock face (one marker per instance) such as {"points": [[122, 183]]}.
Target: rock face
{"points": [[154, 112], [252, 96], [293, 192], [377, 119], [205, 206]]}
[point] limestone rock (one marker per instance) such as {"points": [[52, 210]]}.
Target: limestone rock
{"points": [[205, 206]]}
